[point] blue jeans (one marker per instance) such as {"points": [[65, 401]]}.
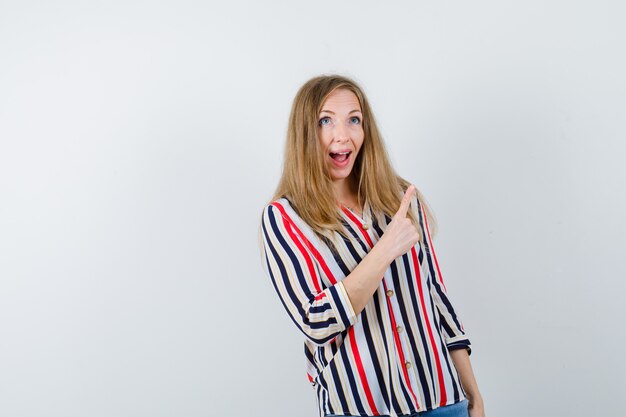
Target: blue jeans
{"points": [[453, 410]]}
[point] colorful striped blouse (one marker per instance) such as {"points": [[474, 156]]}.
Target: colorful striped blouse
{"points": [[393, 358]]}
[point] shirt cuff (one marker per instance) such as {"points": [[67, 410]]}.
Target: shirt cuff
{"points": [[341, 304], [463, 343]]}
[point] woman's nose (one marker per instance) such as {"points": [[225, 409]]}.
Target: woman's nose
{"points": [[341, 133]]}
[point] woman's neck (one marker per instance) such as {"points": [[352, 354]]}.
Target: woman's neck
{"points": [[346, 193]]}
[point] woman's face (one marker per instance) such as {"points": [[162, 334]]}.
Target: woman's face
{"points": [[341, 132]]}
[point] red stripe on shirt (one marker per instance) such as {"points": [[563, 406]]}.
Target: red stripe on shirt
{"points": [[307, 243], [432, 250], [361, 370], [442, 387], [358, 223], [307, 258]]}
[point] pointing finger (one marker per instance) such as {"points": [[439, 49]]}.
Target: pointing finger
{"points": [[406, 201]]}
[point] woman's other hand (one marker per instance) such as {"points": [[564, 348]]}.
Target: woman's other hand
{"points": [[476, 407]]}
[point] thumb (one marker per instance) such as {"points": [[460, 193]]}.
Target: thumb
{"points": [[406, 201]]}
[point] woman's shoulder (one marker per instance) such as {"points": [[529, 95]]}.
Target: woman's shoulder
{"points": [[278, 203], [281, 216], [281, 207]]}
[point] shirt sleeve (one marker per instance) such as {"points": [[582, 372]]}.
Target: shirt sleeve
{"points": [[321, 312], [449, 321]]}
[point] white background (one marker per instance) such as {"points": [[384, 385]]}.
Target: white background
{"points": [[139, 141]]}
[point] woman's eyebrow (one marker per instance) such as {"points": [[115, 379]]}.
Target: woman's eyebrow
{"points": [[332, 112]]}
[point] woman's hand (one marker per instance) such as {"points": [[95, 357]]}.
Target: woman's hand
{"points": [[461, 360], [476, 406], [400, 235]]}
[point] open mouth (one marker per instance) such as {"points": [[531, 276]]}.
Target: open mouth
{"points": [[341, 156]]}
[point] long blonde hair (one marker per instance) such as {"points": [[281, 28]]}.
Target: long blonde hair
{"points": [[305, 180]]}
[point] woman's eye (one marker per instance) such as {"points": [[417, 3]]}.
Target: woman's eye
{"points": [[324, 121], [355, 120]]}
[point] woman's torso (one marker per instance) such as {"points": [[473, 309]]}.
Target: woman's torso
{"points": [[393, 359]]}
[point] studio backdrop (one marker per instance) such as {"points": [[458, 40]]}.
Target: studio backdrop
{"points": [[140, 140]]}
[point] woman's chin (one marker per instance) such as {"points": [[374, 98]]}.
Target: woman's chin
{"points": [[340, 175]]}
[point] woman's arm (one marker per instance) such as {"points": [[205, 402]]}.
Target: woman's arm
{"points": [[320, 313], [461, 360], [453, 331]]}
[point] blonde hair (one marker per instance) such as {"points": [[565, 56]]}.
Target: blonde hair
{"points": [[305, 180]]}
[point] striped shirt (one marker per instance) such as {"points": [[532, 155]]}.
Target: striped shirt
{"points": [[393, 358]]}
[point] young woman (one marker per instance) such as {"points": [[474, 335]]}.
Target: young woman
{"points": [[347, 244]]}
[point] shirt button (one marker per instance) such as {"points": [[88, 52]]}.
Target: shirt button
{"points": [[408, 364], [399, 329], [389, 293], [365, 226]]}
